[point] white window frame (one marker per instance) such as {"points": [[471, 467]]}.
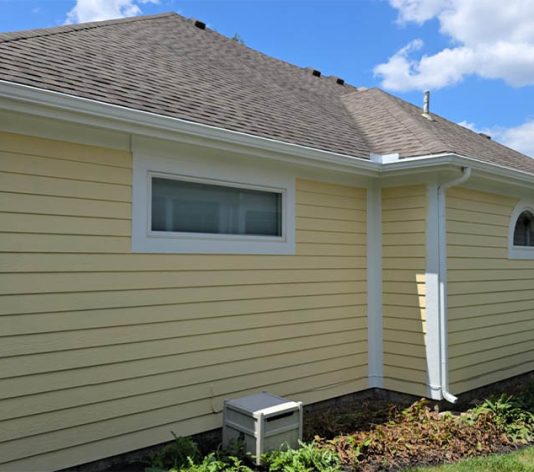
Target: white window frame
{"points": [[213, 173], [519, 252]]}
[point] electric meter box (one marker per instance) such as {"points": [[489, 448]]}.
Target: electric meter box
{"points": [[262, 422]]}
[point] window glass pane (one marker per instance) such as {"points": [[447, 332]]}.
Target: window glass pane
{"points": [[192, 207], [524, 230]]}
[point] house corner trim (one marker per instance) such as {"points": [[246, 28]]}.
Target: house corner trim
{"points": [[374, 287]]}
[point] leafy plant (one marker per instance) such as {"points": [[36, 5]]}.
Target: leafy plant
{"points": [[176, 455], [308, 458], [215, 463], [509, 414]]}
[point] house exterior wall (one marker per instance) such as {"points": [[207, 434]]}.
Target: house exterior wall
{"points": [[491, 297], [404, 261], [105, 351]]}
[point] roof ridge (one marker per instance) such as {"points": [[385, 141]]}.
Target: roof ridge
{"points": [[62, 29]]}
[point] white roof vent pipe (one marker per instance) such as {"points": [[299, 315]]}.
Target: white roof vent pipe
{"points": [[426, 105]]}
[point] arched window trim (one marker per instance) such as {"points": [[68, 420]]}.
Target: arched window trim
{"points": [[519, 252]]}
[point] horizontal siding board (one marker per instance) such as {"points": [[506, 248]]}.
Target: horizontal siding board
{"points": [[105, 377], [57, 187], [467, 287], [504, 309], [78, 358], [19, 144], [26, 242], [407, 337], [402, 385], [491, 377], [68, 263], [405, 373], [474, 359], [466, 216], [79, 320], [71, 225], [100, 281], [490, 343], [348, 250], [404, 227], [395, 193], [488, 263], [404, 349], [223, 378], [324, 225], [37, 303], [494, 275], [51, 342], [475, 299], [331, 189], [494, 365], [78, 207], [337, 238], [465, 324], [490, 332], [47, 167], [334, 201], [330, 213], [174, 379]]}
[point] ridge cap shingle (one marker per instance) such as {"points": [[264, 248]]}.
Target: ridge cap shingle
{"points": [[70, 28]]}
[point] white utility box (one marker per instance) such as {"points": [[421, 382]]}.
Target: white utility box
{"points": [[262, 422]]}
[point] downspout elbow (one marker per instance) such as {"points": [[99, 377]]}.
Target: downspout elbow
{"points": [[444, 357]]}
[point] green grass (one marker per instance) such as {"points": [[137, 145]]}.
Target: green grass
{"points": [[519, 461]]}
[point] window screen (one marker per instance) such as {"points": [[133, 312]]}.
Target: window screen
{"points": [[191, 207], [524, 230]]}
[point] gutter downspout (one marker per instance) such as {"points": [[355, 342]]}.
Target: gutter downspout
{"points": [[443, 311]]}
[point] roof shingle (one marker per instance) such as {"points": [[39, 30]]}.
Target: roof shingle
{"points": [[164, 64]]}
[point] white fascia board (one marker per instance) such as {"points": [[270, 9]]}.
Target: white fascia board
{"points": [[491, 171], [50, 104]]}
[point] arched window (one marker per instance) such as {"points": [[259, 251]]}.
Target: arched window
{"points": [[524, 230], [521, 231]]}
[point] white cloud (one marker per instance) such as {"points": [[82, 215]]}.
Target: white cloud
{"points": [[520, 138], [492, 39], [96, 10]]}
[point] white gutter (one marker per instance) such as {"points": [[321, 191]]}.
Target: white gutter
{"points": [[49, 104], [443, 309]]}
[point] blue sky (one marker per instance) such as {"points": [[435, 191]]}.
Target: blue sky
{"points": [[476, 56]]}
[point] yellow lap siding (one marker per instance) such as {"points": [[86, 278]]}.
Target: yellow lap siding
{"points": [[404, 259], [491, 298], [104, 351]]}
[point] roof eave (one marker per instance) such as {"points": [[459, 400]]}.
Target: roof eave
{"points": [[50, 104], [484, 169], [45, 103]]}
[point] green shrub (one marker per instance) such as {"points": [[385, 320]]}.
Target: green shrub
{"points": [[215, 463], [174, 456], [309, 458], [511, 416]]}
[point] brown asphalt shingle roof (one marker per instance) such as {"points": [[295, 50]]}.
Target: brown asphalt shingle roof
{"points": [[164, 64]]}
